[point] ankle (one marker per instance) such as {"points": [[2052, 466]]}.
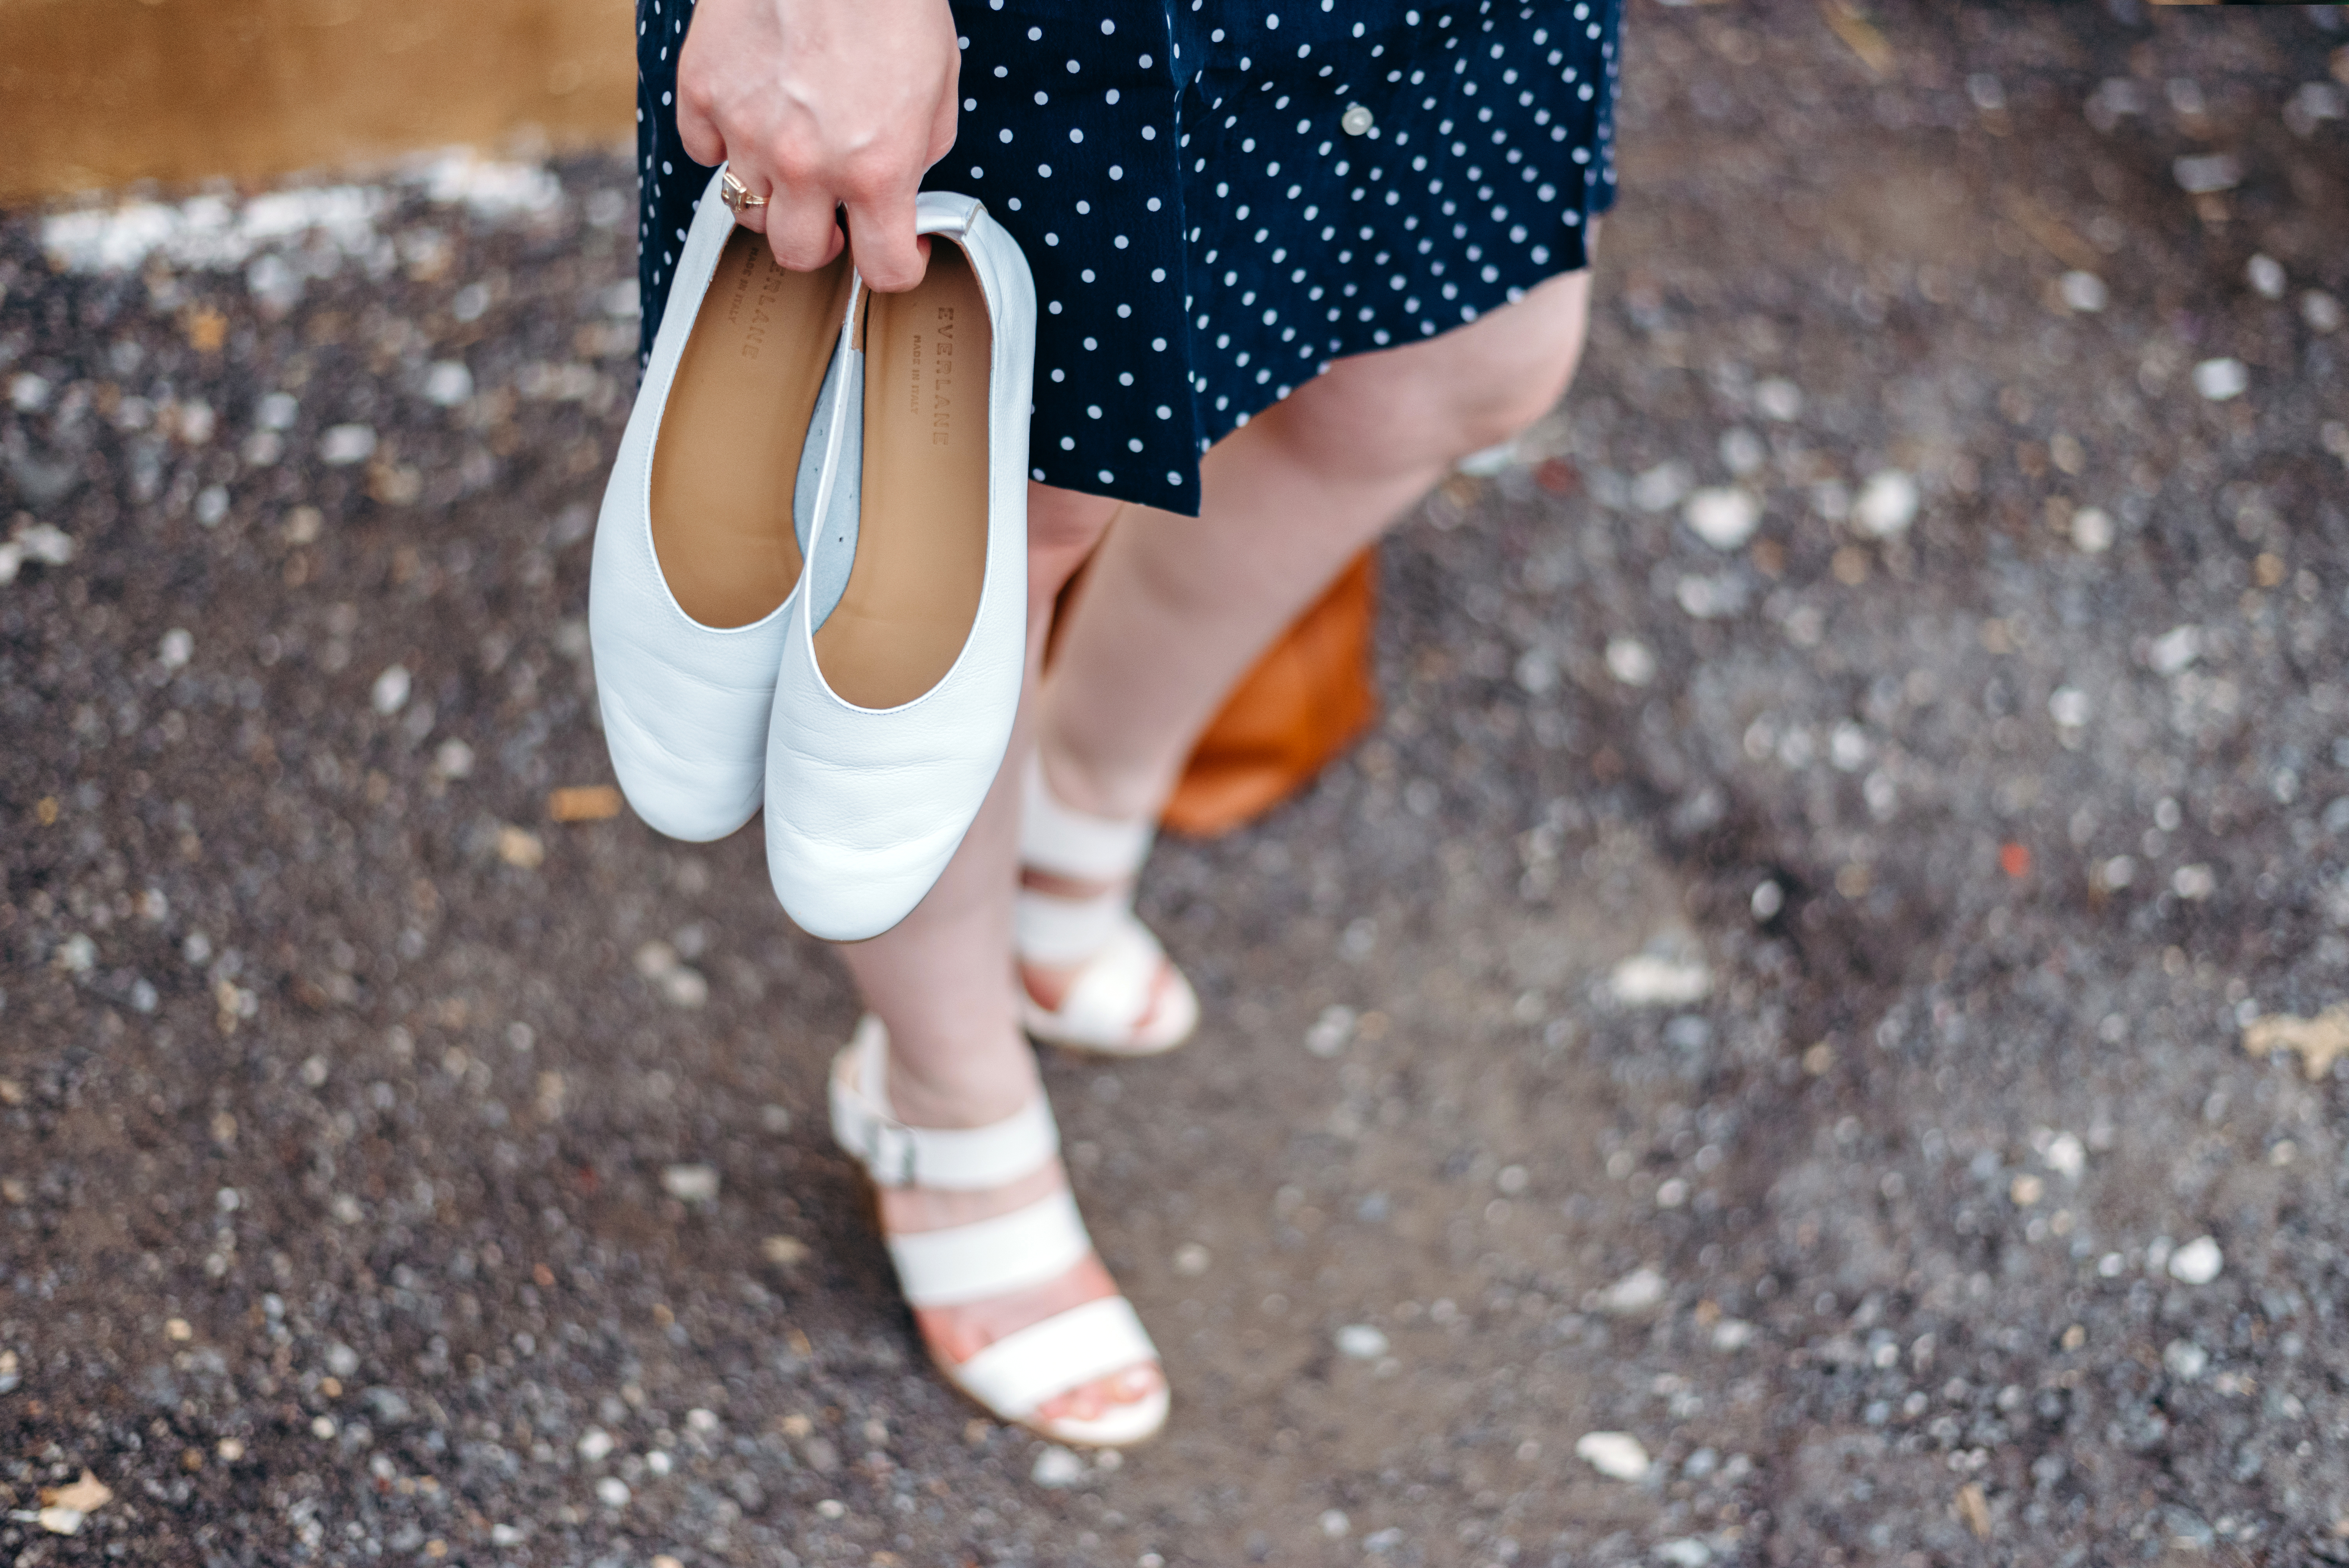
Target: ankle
{"points": [[1081, 784], [961, 1087]]}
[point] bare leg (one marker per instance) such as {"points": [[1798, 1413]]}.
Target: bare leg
{"points": [[1176, 609], [942, 983]]}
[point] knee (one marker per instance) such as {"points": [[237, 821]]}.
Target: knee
{"points": [[1429, 404]]}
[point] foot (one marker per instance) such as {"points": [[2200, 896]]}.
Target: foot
{"points": [[955, 1333], [1047, 985]]}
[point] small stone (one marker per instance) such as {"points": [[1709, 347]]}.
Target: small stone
{"points": [[85, 1496], [612, 1491], [2068, 706], [1362, 1342], [2265, 275], [1653, 980], [45, 543], [1687, 1551], [178, 1331], [230, 1450], [595, 1445], [1768, 899], [2174, 650], [1732, 1333], [323, 1428], [2198, 1262], [1617, 1455], [1330, 1032], [2322, 314], [2066, 1156], [691, 1183], [60, 1521], [342, 1360], [2092, 530], [389, 693], [1192, 1260], [662, 1560], [448, 384], [508, 1536], [2319, 1040], [520, 848], [2208, 174], [784, 1252], [684, 987], [2220, 379], [1886, 504], [2082, 292], [1640, 1291], [1778, 399], [583, 803], [1742, 452], [1057, 1467], [1335, 1524], [1662, 487], [344, 445], [2194, 884], [1629, 661], [179, 645], [2184, 1359], [1724, 516], [2026, 1189]]}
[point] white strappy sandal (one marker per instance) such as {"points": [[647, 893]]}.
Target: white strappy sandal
{"points": [[1029, 1246], [1128, 998]]}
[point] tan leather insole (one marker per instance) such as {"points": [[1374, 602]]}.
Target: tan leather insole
{"points": [[921, 547], [731, 436]]}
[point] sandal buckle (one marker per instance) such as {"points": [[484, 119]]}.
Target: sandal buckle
{"points": [[890, 1148]]}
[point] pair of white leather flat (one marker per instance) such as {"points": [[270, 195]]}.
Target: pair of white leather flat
{"points": [[809, 584]]}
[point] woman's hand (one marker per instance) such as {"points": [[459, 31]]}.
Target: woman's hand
{"points": [[819, 104]]}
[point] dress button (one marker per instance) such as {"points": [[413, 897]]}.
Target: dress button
{"points": [[1355, 121]]}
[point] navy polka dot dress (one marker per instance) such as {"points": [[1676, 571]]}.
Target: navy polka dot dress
{"points": [[1219, 199]]}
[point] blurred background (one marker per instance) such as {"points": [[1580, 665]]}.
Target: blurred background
{"points": [[97, 94]]}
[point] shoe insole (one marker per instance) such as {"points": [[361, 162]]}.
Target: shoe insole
{"points": [[729, 453], [921, 535]]}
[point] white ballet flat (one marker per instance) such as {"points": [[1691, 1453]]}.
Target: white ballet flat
{"points": [[1128, 998], [699, 546], [901, 666], [1012, 1251]]}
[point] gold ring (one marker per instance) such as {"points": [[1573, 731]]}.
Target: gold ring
{"points": [[737, 195]]}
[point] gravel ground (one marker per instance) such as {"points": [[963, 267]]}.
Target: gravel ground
{"points": [[1782, 1049]]}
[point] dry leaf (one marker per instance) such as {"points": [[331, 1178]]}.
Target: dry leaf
{"points": [[1859, 35], [583, 803], [85, 1496], [2318, 1040], [1974, 1510]]}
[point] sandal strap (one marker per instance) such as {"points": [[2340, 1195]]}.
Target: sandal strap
{"points": [[992, 1257], [1022, 1370], [1113, 992], [1075, 844], [1067, 932], [972, 1159]]}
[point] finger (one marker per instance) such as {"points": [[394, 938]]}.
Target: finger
{"points": [[892, 257], [800, 231], [698, 131]]}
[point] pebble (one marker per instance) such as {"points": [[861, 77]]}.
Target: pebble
{"points": [[449, 384], [2092, 530], [1330, 1032], [2174, 650], [1742, 452], [1192, 1260], [2220, 379], [2322, 312], [2082, 292], [1687, 1551], [1629, 661], [2208, 174], [1778, 399], [595, 1445], [2066, 1156], [1732, 1333], [1724, 516], [2265, 275], [178, 647], [2068, 707], [691, 1183], [1619, 1455], [1652, 980], [520, 848], [1335, 1524], [389, 693], [1362, 1342], [1057, 1467], [1886, 504], [1662, 487], [2198, 1262], [1640, 1291], [454, 759], [2319, 1040], [344, 445], [2194, 884], [2184, 1359], [784, 1252], [1768, 899], [612, 1491]]}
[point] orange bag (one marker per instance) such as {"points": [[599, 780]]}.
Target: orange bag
{"points": [[1309, 698]]}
